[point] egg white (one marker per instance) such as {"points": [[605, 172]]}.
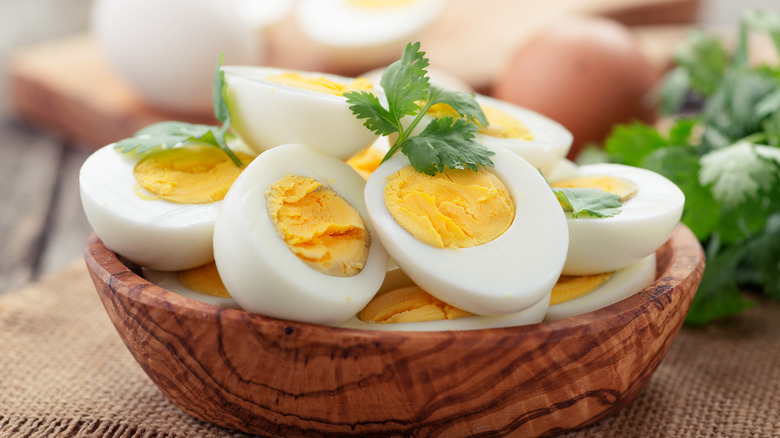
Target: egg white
{"points": [[267, 114], [257, 267], [644, 223], [531, 315], [506, 275], [551, 140], [356, 38], [156, 233], [622, 284], [169, 280]]}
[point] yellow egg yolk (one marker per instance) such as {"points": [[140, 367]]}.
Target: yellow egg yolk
{"points": [[204, 279], [571, 287], [500, 124], [366, 161], [194, 174], [618, 186], [408, 304], [452, 209], [320, 227], [379, 4], [319, 84]]}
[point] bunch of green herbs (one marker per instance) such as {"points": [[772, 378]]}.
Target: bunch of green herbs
{"points": [[725, 157]]}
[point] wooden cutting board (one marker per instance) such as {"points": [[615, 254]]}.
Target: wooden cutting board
{"points": [[67, 86]]}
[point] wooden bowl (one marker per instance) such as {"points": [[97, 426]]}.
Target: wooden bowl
{"points": [[267, 376]]}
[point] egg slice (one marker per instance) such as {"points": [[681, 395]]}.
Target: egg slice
{"points": [[458, 321], [505, 275], [145, 227], [292, 242], [620, 285], [646, 220], [177, 282], [271, 106], [360, 34]]}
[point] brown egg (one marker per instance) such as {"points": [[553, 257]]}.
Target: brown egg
{"points": [[585, 72]]}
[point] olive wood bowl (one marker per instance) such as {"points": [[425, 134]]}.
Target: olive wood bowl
{"points": [[267, 376]]}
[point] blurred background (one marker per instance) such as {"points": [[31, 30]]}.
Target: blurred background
{"points": [[80, 74]]}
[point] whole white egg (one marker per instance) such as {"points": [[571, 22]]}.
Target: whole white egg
{"points": [[259, 270], [356, 35], [531, 315], [155, 233], [644, 223], [167, 50], [267, 114], [506, 275], [622, 284]]}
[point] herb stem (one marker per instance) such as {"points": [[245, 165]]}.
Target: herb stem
{"points": [[403, 134]]}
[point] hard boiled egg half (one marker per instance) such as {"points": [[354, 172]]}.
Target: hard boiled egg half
{"points": [[491, 242], [575, 295], [271, 107], [201, 283], [157, 210], [651, 209], [293, 241]]}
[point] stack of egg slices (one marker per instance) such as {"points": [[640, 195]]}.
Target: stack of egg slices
{"points": [[313, 199]]}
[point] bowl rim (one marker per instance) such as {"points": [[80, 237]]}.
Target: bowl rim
{"points": [[680, 257]]}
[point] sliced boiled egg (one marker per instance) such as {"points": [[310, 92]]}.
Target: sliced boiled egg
{"points": [[292, 240], [652, 206], [360, 34], [201, 283], [491, 242], [577, 295], [157, 210], [271, 106], [412, 309]]}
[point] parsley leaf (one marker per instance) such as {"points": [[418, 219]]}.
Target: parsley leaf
{"points": [[166, 135], [443, 143], [588, 202], [739, 171]]}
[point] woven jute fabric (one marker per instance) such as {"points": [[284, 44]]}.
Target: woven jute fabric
{"points": [[65, 372]]}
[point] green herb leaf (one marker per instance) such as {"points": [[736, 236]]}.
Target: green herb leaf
{"points": [[705, 59], [739, 172], [443, 143], [629, 144], [405, 82], [166, 135], [588, 202], [366, 106]]}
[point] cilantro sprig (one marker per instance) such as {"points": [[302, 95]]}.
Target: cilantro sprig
{"points": [[446, 142], [726, 159], [169, 134], [586, 202]]}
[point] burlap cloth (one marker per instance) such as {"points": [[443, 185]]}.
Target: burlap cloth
{"points": [[65, 372]]}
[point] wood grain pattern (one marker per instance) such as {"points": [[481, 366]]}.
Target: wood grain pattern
{"points": [[272, 377]]}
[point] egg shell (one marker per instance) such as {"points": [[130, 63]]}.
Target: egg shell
{"points": [[257, 267], [155, 233], [353, 38], [621, 285], [167, 50], [588, 73], [644, 223], [551, 140], [531, 315], [266, 114], [169, 280], [506, 275]]}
